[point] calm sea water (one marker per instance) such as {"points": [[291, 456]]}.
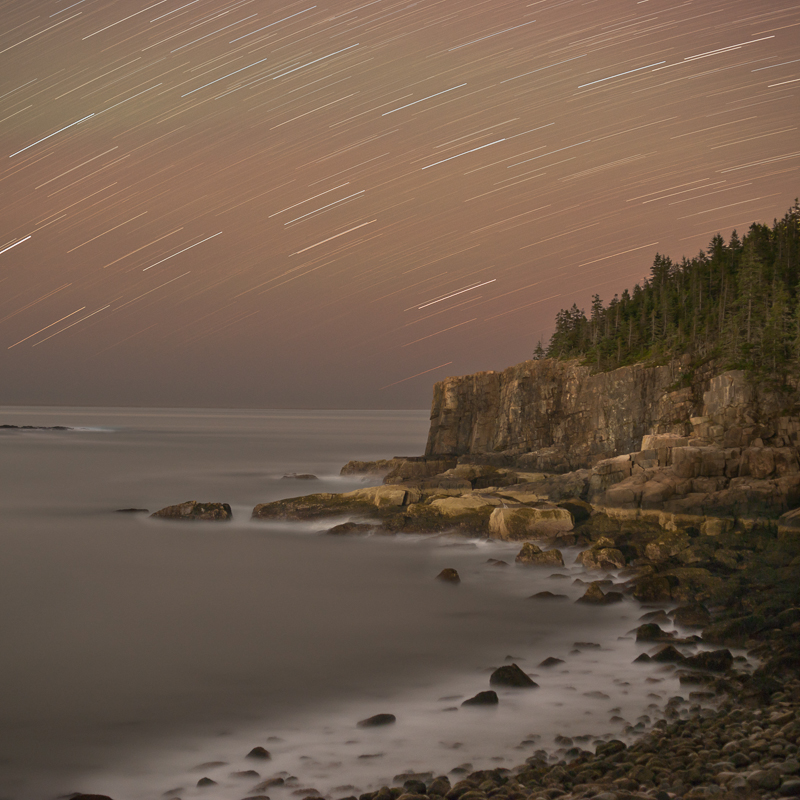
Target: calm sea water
{"points": [[140, 655]]}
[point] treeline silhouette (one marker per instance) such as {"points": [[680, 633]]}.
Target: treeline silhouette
{"points": [[737, 302]]}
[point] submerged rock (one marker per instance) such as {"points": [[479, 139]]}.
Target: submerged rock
{"points": [[651, 632], [695, 615], [191, 510], [594, 595], [449, 575], [85, 796], [551, 661], [669, 654], [482, 699], [377, 720], [348, 528], [511, 675], [302, 476], [259, 752], [545, 595]]}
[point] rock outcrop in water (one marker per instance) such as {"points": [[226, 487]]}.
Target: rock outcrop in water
{"points": [[193, 511]]}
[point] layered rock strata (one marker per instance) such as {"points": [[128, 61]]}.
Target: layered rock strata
{"points": [[555, 416]]}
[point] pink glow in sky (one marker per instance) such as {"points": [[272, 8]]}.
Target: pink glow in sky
{"points": [[336, 204]]}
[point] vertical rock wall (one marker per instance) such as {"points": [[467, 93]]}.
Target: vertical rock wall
{"points": [[572, 418]]}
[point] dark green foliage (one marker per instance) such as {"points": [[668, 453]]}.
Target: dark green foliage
{"points": [[736, 302]]}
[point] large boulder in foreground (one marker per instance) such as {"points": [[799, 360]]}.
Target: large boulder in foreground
{"points": [[193, 511], [515, 524]]}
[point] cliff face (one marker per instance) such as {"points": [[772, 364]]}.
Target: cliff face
{"points": [[558, 416]]}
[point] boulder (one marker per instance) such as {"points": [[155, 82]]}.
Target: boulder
{"points": [[651, 632], [193, 511], [713, 660], [482, 699], [260, 753], [602, 558], [532, 555], [511, 675], [594, 596], [653, 589], [449, 575], [606, 749], [669, 654], [694, 615], [514, 524]]}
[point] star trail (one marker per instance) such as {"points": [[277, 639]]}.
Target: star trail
{"points": [[258, 203]]}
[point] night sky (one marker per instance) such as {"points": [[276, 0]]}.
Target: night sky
{"points": [[269, 204]]}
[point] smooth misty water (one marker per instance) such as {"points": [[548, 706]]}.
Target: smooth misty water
{"points": [[135, 650]]}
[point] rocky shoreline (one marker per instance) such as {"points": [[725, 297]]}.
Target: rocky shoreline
{"points": [[736, 580], [682, 482]]}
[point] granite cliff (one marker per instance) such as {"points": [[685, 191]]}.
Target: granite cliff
{"points": [[557, 416]]}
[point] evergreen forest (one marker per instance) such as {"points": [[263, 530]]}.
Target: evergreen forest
{"points": [[737, 303]]}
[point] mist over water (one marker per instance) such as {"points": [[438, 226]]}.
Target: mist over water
{"points": [[135, 650]]}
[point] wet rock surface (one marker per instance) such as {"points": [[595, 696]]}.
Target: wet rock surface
{"points": [[449, 575], [193, 511], [487, 698], [377, 720], [511, 675]]}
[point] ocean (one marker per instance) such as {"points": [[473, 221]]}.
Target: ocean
{"points": [[140, 655]]}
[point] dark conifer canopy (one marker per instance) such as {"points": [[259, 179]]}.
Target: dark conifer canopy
{"points": [[737, 302]]}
